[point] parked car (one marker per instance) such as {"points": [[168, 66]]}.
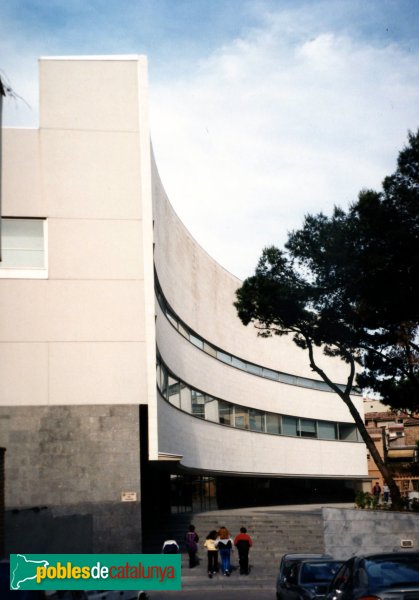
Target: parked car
{"points": [[310, 579], [286, 564], [394, 575], [116, 595]]}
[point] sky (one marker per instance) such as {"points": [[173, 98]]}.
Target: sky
{"points": [[262, 111]]}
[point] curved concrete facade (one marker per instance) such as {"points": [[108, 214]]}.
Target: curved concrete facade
{"points": [[201, 294]]}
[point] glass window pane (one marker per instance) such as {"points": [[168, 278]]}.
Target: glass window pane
{"points": [[171, 318], [185, 398], [210, 349], [326, 430], [26, 234], [174, 391], [198, 404], [239, 364], [158, 374], [224, 357], [183, 331], [241, 417], [225, 412], [22, 259], [273, 423], [256, 420], [211, 409], [22, 244], [254, 369], [269, 374], [196, 341], [307, 428], [289, 425], [348, 432], [163, 381]]}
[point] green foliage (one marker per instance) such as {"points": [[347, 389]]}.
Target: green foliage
{"points": [[349, 283], [366, 500]]}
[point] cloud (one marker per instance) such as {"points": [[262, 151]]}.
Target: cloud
{"points": [[276, 124]]}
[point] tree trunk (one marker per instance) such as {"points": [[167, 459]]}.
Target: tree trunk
{"points": [[396, 499]]}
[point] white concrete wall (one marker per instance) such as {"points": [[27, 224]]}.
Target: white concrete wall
{"points": [[86, 334], [218, 448]]}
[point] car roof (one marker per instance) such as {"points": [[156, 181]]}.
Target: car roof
{"points": [[324, 559], [305, 556], [388, 555]]}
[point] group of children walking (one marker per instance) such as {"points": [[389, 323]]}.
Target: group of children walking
{"points": [[219, 544]]}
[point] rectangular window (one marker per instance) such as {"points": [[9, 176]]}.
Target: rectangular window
{"points": [[273, 423], [224, 357], [239, 364], [162, 381], [210, 349], [326, 430], [256, 420], [348, 432], [174, 392], [198, 404], [254, 369], [183, 331], [225, 412], [269, 374], [211, 409], [289, 425], [307, 428], [24, 248], [185, 398], [241, 417], [196, 341], [171, 318]]}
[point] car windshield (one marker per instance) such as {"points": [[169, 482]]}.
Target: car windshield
{"points": [[392, 572], [313, 572]]}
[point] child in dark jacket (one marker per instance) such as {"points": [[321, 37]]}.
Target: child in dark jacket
{"points": [[191, 543], [243, 542]]}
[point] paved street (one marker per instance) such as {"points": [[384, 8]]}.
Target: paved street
{"points": [[208, 594]]}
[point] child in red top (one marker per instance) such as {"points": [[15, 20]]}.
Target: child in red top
{"points": [[243, 542]]}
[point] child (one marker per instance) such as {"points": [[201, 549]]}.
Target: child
{"points": [[243, 542], [212, 551]]}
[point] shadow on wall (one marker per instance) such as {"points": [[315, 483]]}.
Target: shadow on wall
{"points": [[37, 530]]}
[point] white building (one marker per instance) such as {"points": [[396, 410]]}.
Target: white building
{"points": [[99, 282]]}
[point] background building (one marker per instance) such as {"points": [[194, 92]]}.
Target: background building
{"points": [[396, 436], [99, 283]]}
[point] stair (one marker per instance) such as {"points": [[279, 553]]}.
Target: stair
{"points": [[274, 533]]}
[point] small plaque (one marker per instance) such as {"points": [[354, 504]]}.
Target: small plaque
{"points": [[129, 496]]}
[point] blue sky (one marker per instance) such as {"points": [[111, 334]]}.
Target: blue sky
{"points": [[261, 111]]}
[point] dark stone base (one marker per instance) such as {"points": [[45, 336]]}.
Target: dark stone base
{"points": [[113, 528]]}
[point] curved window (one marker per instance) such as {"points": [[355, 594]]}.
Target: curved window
{"points": [[232, 360], [199, 404]]}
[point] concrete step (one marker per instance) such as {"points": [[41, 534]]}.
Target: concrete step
{"points": [[273, 536]]}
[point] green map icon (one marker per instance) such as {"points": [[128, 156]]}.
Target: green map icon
{"points": [[23, 569]]}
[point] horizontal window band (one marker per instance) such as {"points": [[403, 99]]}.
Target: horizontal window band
{"points": [[199, 404], [238, 363]]}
